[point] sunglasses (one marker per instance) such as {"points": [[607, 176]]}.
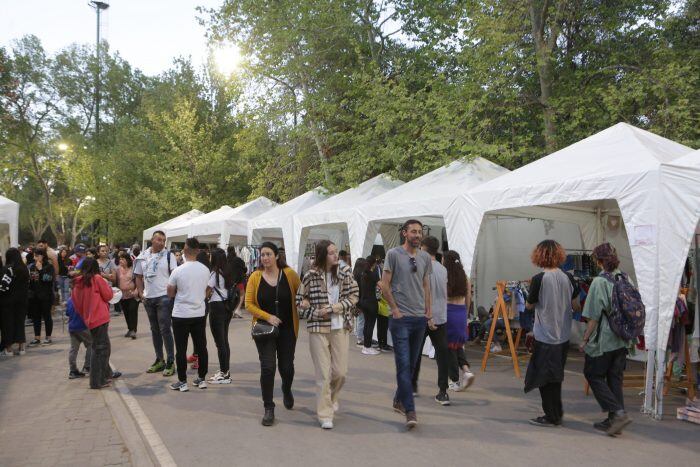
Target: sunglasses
{"points": [[414, 264]]}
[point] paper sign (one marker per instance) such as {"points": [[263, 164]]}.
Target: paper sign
{"points": [[643, 235]]}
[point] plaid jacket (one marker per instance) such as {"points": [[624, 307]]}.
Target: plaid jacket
{"points": [[314, 289]]}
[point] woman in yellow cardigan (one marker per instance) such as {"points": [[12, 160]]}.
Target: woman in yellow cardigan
{"points": [[270, 296]]}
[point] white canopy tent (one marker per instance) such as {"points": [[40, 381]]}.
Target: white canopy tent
{"points": [[278, 223], [174, 222], [679, 223], [221, 224], [9, 223], [425, 198], [340, 214], [617, 168]]}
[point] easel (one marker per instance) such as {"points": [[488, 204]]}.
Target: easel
{"points": [[500, 311], [689, 383]]}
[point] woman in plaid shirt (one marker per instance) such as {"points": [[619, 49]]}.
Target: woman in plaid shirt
{"points": [[327, 299]]}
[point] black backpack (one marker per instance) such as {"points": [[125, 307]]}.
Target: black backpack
{"points": [[233, 297]]}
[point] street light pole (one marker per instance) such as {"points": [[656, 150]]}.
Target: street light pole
{"points": [[98, 6]]}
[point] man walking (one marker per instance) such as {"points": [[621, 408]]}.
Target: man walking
{"points": [[152, 270], [437, 328], [406, 287]]}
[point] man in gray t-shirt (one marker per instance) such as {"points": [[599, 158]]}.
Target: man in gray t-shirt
{"points": [[436, 327], [406, 287]]}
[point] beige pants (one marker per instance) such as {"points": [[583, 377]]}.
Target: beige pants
{"points": [[330, 355]]}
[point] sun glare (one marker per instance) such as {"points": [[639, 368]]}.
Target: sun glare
{"points": [[228, 59]]}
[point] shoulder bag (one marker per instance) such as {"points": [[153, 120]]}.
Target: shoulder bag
{"points": [[262, 330]]}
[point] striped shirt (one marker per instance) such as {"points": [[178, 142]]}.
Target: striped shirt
{"points": [[315, 289]]}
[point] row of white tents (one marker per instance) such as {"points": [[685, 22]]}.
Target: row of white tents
{"points": [[9, 223], [633, 188]]}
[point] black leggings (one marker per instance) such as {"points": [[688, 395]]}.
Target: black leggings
{"points": [[457, 360], [41, 309], [182, 329], [130, 308], [283, 349], [369, 310], [219, 320]]}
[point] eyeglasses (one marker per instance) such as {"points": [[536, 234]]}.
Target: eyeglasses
{"points": [[414, 264]]}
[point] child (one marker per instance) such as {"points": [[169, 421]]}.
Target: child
{"points": [[78, 334]]}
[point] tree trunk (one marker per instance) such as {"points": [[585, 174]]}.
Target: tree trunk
{"points": [[543, 53], [318, 140]]}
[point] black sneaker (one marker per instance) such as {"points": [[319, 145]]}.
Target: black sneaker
{"points": [[398, 407], [288, 400], [269, 417], [116, 375], [442, 398], [602, 425], [85, 370], [34, 343], [542, 421], [76, 374], [201, 383]]}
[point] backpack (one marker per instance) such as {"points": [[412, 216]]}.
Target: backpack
{"points": [[626, 318], [234, 296]]}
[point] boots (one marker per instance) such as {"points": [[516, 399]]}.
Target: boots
{"points": [[269, 417]]}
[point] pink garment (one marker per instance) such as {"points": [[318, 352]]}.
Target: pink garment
{"points": [[126, 282]]}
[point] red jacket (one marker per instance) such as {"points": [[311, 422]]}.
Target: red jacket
{"points": [[92, 303]]}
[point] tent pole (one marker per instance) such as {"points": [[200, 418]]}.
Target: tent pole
{"points": [[647, 408], [659, 392], [599, 226]]}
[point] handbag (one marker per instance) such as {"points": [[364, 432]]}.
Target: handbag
{"points": [[262, 330]]}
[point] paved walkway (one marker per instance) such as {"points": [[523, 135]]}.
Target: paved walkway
{"points": [[47, 419]]}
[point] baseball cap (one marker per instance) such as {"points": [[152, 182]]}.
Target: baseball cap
{"points": [[80, 248]]}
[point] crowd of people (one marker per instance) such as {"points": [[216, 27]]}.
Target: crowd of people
{"points": [[415, 293]]}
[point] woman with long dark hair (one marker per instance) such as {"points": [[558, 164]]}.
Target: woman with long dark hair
{"points": [[458, 302], [238, 271], [41, 277], [551, 295], [14, 289], [220, 312], [327, 299], [367, 279], [129, 302], [270, 297], [64, 265], [91, 296]]}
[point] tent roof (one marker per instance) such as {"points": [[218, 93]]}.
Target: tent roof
{"points": [[291, 207], [351, 198], [691, 159], [619, 150], [252, 208], [423, 195], [173, 222], [7, 201]]}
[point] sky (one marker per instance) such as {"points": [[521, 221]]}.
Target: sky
{"points": [[149, 34]]}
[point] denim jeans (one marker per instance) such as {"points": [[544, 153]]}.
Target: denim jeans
{"points": [[159, 311], [64, 287], [407, 335]]}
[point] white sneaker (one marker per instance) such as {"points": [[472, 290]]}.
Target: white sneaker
{"points": [[370, 351], [468, 378], [201, 383], [453, 386], [220, 378], [179, 386], [5, 353], [496, 348], [336, 407], [327, 424]]}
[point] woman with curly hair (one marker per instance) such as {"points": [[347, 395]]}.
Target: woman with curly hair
{"points": [[552, 293]]}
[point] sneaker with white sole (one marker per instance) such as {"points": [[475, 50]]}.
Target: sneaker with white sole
{"points": [[453, 386], [495, 348], [201, 383], [179, 386], [466, 380], [370, 351], [220, 378], [5, 353], [327, 424]]}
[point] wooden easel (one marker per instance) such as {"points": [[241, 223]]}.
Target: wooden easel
{"points": [[500, 311], [689, 383]]}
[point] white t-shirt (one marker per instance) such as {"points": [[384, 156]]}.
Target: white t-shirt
{"points": [[221, 287], [191, 281], [333, 298], [154, 269]]}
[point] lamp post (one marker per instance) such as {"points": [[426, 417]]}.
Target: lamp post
{"points": [[98, 6]]}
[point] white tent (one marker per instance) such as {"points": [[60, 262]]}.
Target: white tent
{"points": [[617, 168], [9, 223], [278, 222], [221, 224], [678, 224], [339, 213], [174, 222], [425, 198]]}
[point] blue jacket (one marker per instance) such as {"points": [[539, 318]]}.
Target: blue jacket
{"points": [[75, 322]]}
